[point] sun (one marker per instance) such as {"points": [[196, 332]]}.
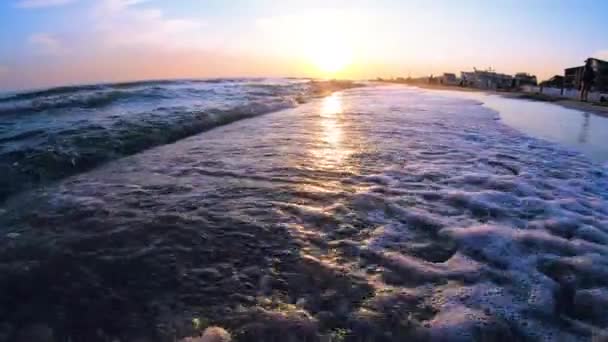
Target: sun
{"points": [[330, 59]]}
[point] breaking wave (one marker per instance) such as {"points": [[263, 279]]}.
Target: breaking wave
{"points": [[49, 134]]}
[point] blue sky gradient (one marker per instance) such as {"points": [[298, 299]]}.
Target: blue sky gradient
{"points": [[53, 42]]}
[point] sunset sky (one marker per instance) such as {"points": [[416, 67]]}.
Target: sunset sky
{"points": [[55, 42]]}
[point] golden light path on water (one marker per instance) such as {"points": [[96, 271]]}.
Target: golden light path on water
{"points": [[330, 149]]}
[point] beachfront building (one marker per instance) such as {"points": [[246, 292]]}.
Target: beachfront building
{"points": [[448, 79], [556, 81], [573, 76], [486, 79], [524, 79]]}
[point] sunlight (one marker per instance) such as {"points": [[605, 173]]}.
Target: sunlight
{"points": [[325, 43], [331, 60], [331, 151], [332, 130], [331, 106]]}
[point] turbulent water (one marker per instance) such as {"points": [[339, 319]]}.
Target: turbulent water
{"points": [[49, 134], [381, 213]]}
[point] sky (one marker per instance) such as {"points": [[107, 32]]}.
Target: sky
{"points": [[57, 42]]}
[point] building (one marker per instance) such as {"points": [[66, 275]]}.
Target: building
{"points": [[523, 78], [448, 79], [573, 76], [556, 81], [487, 79]]}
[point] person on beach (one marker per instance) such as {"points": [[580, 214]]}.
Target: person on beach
{"points": [[587, 81]]}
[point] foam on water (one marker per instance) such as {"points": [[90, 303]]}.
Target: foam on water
{"points": [[385, 213]]}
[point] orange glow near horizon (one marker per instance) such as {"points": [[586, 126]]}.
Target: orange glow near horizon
{"points": [[330, 59]]}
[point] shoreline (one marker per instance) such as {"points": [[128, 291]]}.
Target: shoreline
{"points": [[588, 107], [568, 125]]}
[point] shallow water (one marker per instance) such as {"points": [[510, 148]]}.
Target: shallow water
{"points": [[585, 132], [576, 129], [381, 213]]}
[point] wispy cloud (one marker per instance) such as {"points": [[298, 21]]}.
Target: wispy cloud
{"points": [[42, 3], [128, 39], [117, 5], [120, 25], [46, 43], [124, 23]]}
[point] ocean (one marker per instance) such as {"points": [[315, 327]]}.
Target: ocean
{"points": [[376, 213], [49, 134]]}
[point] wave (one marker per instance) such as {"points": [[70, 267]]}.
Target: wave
{"points": [[66, 90], [88, 100], [78, 150], [45, 148], [101, 95], [50, 92], [63, 90]]}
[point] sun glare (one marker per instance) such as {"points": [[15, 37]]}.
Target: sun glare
{"points": [[331, 59]]}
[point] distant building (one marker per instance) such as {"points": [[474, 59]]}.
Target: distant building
{"points": [[556, 81], [522, 78], [488, 79], [448, 79], [573, 76]]}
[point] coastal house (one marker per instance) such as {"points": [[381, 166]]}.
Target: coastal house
{"points": [[573, 76], [556, 81], [486, 79], [523, 78], [448, 79]]}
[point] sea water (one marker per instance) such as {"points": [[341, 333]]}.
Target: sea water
{"points": [[383, 213]]}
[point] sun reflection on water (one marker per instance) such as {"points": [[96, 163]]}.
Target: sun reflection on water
{"points": [[330, 149], [332, 105]]}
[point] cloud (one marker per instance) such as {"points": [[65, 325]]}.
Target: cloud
{"points": [[124, 23], [42, 3], [115, 26], [118, 5], [127, 40], [46, 43]]}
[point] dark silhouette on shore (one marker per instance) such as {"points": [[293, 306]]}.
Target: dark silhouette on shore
{"points": [[587, 82]]}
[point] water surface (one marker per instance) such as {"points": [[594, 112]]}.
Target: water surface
{"points": [[49, 134], [576, 129], [379, 214]]}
